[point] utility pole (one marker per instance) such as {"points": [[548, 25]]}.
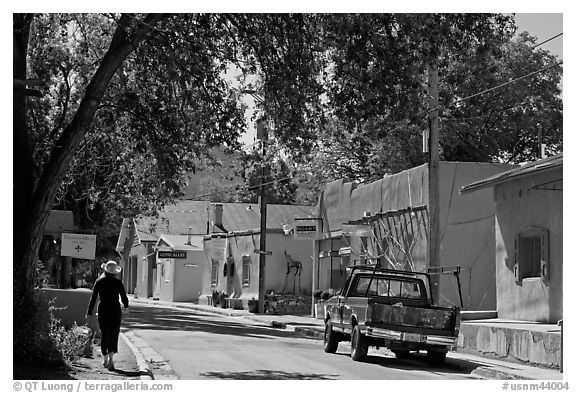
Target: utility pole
{"points": [[434, 181], [262, 133]]}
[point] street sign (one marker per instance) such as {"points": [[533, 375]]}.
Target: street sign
{"points": [[263, 252], [79, 246], [172, 254]]}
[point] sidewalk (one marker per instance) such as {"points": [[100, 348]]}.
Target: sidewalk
{"points": [[480, 333], [128, 362]]}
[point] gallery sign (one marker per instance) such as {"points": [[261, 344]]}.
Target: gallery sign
{"points": [[305, 229], [79, 246], [172, 254]]}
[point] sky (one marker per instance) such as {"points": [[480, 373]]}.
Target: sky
{"points": [[543, 26]]}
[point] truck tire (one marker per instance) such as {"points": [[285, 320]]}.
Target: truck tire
{"points": [[436, 358], [330, 338], [359, 345]]}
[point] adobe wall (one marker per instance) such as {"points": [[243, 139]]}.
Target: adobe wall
{"points": [[243, 245], [519, 206]]}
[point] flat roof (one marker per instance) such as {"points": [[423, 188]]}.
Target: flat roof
{"points": [[531, 168]]}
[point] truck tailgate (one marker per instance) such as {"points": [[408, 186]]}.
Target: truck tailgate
{"points": [[426, 318]]}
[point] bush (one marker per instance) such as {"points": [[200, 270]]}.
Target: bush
{"points": [[44, 341], [325, 295], [317, 294]]}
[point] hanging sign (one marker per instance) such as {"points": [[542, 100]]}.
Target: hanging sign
{"points": [[172, 254], [79, 246], [305, 230]]}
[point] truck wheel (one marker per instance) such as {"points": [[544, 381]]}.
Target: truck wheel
{"points": [[436, 358], [330, 338], [359, 345]]}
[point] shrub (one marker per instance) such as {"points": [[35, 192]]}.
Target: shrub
{"points": [[44, 341], [317, 294], [325, 295]]}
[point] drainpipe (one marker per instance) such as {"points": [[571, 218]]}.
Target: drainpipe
{"points": [[561, 324]]}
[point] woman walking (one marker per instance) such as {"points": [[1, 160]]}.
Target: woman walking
{"points": [[109, 288]]}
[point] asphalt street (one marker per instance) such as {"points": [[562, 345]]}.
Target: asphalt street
{"points": [[196, 345]]}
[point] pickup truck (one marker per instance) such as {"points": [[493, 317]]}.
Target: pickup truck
{"points": [[392, 309]]}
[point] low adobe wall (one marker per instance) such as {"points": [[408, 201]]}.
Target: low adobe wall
{"points": [[541, 348], [70, 304]]}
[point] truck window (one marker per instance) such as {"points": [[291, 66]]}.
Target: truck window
{"points": [[386, 287]]}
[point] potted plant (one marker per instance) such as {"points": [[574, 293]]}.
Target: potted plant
{"points": [[253, 305], [320, 297], [317, 294]]}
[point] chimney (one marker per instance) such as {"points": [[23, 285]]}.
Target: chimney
{"points": [[189, 236], [218, 211]]}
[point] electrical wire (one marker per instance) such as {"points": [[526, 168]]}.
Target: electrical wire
{"points": [[500, 86], [548, 40]]}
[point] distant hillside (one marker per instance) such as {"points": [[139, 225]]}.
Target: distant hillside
{"points": [[213, 178]]}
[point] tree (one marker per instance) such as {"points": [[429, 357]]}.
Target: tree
{"points": [[131, 102], [377, 92], [503, 124], [36, 182], [280, 188]]}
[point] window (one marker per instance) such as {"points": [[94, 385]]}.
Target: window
{"points": [[380, 286], [531, 254], [245, 270], [214, 276], [166, 270]]}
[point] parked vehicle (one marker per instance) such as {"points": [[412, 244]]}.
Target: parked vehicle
{"points": [[392, 309]]}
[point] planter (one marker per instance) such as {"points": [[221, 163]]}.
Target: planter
{"points": [[222, 300], [253, 306], [319, 310]]}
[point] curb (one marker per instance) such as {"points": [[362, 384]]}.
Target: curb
{"points": [[143, 368], [150, 359], [490, 373]]}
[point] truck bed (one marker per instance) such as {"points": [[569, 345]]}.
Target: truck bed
{"points": [[405, 316]]}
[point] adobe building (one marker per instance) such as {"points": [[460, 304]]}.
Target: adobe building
{"points": [[529, 239], [232, 249], [387, 220], [179, 256], [140, 239]]}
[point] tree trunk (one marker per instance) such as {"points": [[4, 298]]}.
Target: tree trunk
{"points": [[23, 273], [32, 204]]}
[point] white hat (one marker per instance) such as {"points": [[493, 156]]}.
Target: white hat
{"points": [[111, 267]]}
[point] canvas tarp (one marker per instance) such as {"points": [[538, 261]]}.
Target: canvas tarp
{"points": [[343, 201]]}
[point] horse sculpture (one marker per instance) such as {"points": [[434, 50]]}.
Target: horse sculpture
{"points": [[290, 263]]}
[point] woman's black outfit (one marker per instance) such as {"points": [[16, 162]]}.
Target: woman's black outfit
{"points": [[109, 288]]}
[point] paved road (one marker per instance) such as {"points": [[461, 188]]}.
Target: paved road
{"points": [[205, 346]]}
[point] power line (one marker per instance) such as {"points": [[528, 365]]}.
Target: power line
{"points": [[549, 39], [503, 84]]}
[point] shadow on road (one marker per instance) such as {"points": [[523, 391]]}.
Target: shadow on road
{"points": [[156, 318], [265, 374], [130, 374], [418, 362]]}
